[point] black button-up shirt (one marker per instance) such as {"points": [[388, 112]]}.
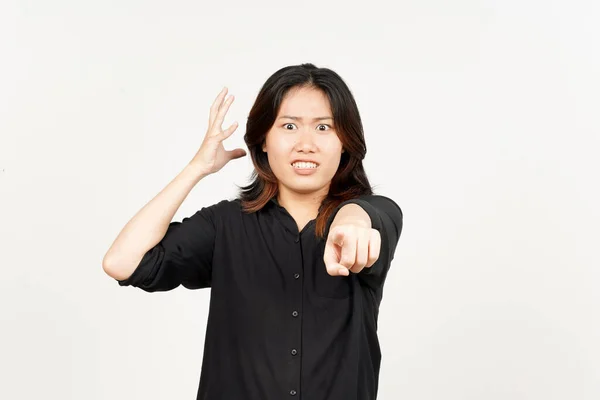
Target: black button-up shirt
{"points": [[279, 326]]}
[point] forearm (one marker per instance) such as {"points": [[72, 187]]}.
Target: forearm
{"points": [[149, 225]]}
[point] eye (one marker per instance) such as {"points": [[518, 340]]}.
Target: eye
{"points": [[328, 127], [286, 125]]}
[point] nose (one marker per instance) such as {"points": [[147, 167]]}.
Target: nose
{"points": [[305, 141]]}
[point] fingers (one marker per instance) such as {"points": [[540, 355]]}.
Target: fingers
{"points": [[331, 257], [236, 153], [218, 110], [220, 117], [339, 247], [214, 109], [362, 251], [232, 154], [227, 132], [374, 247], [348, 243], [350, 249]]}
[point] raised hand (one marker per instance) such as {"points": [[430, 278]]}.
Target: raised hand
{"points": [[212, 156]]}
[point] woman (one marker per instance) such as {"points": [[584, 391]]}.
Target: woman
{"points": [[296, 264]]}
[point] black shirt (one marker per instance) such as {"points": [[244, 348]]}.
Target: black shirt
{"points": [[279, 326]]}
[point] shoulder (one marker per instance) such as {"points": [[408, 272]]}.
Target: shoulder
{"points": [[385, 202], [377, 203], [212, 216], [231, 210], [223, 208]]}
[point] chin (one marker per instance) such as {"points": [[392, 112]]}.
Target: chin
{"points": [[306, 188]]}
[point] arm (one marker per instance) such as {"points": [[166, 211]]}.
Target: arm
{"points": [[148, 226], [156, 254], [351, 213], [184, 256], [384, 216]]}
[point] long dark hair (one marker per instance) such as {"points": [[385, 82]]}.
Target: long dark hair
{"points": [[350, 180]]}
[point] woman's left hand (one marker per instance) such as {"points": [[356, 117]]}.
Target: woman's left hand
{"points": [[350, 248]]}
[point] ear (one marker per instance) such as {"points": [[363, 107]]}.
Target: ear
{"points": [[264, 147]]}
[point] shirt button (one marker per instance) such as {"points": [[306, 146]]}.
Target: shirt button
{"points": [[294, 352], [296, 275], [297, 239], [294, 313], [293, 392]]}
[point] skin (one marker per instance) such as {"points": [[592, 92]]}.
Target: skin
{"points": [[299, 132], [303, 138], [351, 240]]}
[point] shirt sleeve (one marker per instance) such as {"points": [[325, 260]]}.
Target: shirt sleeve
{"points": [[183, 257], [387, 218]]}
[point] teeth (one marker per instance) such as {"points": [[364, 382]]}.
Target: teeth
{"points": [[302, 164]]}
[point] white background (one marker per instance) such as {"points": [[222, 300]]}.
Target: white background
{"points": [[481, 120]]}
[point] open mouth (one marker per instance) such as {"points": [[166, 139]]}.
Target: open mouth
{"points": [[305, 165]]}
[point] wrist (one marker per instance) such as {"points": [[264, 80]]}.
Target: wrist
{"points": [[352, 214], [195, 172]]}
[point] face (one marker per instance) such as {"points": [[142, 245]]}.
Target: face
{"points": [[302, 146]]}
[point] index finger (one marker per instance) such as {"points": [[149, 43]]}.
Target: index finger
{"points": [[330, 258]]}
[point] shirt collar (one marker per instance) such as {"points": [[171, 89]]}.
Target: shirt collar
{"points": [[285, 218]]}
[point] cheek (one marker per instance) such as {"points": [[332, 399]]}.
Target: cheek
{"points": [[333, 164], [331, 143], [277, 153], [334, 155], [280, 148], [333, 149]]}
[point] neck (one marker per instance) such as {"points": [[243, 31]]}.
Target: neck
{"points": [[301, 204]]}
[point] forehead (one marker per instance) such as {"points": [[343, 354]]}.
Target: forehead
{"points": [[305, 103]]}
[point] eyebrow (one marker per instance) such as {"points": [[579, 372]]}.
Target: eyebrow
{"points": [[298, 118]]}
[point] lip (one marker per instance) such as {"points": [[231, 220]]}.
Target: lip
{"points": [[304, 171]]}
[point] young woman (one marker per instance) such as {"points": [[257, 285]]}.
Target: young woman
{"points": [[296, 264]]}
